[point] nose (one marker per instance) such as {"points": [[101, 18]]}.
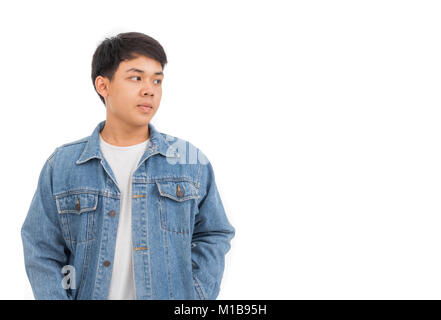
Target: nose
{"points": [[147, 90]]}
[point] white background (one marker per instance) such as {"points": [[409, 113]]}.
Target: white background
{"points": [[321, 120]]}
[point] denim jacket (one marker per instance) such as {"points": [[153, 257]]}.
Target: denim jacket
{"points": [[180, 229]]}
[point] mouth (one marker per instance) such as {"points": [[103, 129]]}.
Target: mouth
{"points": [[145, 107]]}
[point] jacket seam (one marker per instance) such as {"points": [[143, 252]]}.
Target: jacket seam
{"points": [[201, 289], [167, 258]]}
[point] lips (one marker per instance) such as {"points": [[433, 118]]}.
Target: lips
{"points": [[146, 108], [146, 105]]}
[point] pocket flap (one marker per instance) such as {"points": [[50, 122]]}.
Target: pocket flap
{"points": [[177, 190], [77, 203]]}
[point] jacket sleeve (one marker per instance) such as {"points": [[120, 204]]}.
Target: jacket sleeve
{"points": [[43, 244], [211, 238]]}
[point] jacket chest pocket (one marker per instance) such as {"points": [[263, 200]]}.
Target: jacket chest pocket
{"points": [[177, 205], [78, 215]]}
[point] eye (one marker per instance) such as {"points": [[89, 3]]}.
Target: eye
{"points": [[135, 77], [158, 80]]}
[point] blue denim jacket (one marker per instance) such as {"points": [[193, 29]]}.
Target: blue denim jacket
{"points": [[179, 227]]}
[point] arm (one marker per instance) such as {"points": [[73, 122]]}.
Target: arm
{"points": [[211, 238], [43, 243]]}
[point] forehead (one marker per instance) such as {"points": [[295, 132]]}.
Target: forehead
{"points": [[140, 64]]}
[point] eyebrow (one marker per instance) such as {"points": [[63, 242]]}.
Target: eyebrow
{"points": [[159, 73]]}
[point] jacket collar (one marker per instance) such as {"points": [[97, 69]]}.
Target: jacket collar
{"points": [[157, 144]]}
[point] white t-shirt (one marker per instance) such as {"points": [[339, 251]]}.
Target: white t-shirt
{"points": [[123, 161]]}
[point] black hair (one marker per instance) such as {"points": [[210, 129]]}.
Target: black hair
{"points": [[124, 46]]}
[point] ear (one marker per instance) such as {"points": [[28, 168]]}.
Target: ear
{"points": [[102, 86]]}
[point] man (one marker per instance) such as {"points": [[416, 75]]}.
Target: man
{"points": [[128, 212]]}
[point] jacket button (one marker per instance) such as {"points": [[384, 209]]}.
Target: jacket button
{"points": [[77, 205], [112, 213], [179, 192], [106, 263]]}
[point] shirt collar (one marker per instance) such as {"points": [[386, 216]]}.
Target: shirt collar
{"points": [[157, 144]]}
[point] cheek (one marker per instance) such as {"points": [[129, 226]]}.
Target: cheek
{"points": [[127, 93], [159, 93], [123, 99]]}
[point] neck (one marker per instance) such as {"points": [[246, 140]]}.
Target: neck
{"points": [[122, 135]]}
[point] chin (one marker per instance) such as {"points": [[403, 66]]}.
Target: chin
{"points": [[143, 122]]}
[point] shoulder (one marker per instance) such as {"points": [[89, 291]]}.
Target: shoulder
{"points": [[189, 153], [192, 158], [73, 145], [68, 152]]}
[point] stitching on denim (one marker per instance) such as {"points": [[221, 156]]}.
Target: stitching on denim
{"points": [[197, 289], [144, 235], [171, 196], [167, 258], [49, 160], [77, 192], [179, 178], [101, 249], [106, 194], [204, 295], [69, 232], [148, 255], [174, 231], [85, 267], [82, 140], [89, 230], [68, 211], [75, 212], [163, 220], [82, 241], [178, 200], [66, 232], [84, 150], [92, 235]]}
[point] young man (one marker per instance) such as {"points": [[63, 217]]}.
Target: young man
{"points": [[128, 212]]}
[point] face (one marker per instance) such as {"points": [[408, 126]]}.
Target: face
{"points": [[135, 82]]}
